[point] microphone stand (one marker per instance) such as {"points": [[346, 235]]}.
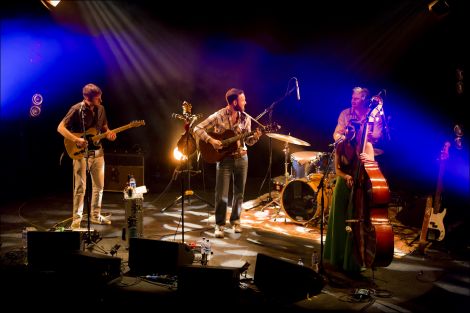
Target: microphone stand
{"points": [[186, 192], [385, 122], [321, 187], [88, 181], [269, 110]]}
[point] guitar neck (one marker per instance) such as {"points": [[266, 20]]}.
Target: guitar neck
{"points": [[426, 219], [229, 141], [116, 130], [437, 196]]}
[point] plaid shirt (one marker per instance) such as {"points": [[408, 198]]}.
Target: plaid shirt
{"points": [[219, 122], [375, 128]]}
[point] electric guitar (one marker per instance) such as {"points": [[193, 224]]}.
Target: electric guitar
{"points": [[93, 138], [229, 143], [433, 222]]}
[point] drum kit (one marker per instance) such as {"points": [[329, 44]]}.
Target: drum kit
{"points": [[299, 196]]}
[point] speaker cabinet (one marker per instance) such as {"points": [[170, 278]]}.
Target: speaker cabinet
{"points": [[93, 267], [286, 280], [119, 166], [148, 256], [47, 251], [196, 282]]}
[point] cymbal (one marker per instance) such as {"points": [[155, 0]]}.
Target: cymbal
{"points": [[288, 139]]}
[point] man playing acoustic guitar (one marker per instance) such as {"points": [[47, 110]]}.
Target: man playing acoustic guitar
{"points": [[228, 122], [84, 116]]}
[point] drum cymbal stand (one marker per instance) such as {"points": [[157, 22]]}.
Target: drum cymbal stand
{"points": [[286, 179]]}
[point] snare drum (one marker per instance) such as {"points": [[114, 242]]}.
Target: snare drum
{"points": [[304, 163]]}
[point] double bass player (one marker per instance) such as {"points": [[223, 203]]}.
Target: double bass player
{"points": [[350, 231]]}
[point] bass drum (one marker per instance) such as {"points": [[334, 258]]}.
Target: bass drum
{"points": [[300, 200]]}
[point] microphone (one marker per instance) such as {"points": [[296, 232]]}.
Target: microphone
{"points": [[297, 89], [340, 140]]}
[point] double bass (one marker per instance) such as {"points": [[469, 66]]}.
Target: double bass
{"points": [[370, 196]]}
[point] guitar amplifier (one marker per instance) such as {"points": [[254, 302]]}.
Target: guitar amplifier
{"points": [[117, 168]]}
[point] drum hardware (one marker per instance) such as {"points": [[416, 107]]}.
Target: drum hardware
{"points": [[270, 110], [288, 138], [306, 162], [286, 179]]}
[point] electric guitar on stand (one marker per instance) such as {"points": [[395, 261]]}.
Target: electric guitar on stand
{"points": [[433, 222], [93, 138]]}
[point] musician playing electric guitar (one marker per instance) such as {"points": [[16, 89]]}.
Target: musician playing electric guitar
{"points": [[235, 163], [87, 114]]}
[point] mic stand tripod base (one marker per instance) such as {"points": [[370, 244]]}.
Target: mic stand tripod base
{"points": [[187, 195], [273, 201]]}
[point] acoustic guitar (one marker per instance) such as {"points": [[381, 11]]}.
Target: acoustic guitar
{"points": [[93, 137], [433, 221], [229, 142]]}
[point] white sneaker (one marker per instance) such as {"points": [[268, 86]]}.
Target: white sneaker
{"points": [[219, 231], [100, 219]]}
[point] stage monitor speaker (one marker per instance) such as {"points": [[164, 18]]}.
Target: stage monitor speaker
{"points": [[285, 280], [119, 166], [47, 250], [92, 267], [149, 256], [196, 282]]}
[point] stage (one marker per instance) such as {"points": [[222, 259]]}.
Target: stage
{"points": [[414, 282]]}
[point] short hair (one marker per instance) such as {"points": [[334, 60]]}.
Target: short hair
{"points": [[363, 91], [91, 91], [232, 94]]}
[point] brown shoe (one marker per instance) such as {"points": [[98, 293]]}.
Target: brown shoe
{"points": [[237, 228], [76, 223], [100, 220]]}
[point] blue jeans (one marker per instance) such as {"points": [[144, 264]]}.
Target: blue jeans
{"points": [[238, 169]]}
